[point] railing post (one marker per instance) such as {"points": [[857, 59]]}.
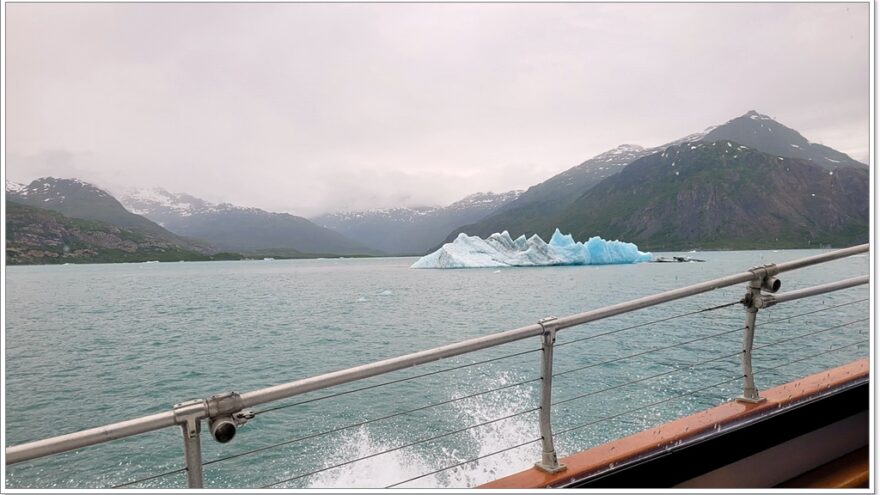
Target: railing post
{"points": [[753, 300], [549, 462], [189, 415]]}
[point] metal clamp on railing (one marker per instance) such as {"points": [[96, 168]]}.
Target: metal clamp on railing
{"points": [[549, 461], [764, 279], [224, 413]]}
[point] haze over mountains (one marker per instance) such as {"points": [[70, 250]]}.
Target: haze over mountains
{"points": [[403, 231], [235, 228], [750, 182]]}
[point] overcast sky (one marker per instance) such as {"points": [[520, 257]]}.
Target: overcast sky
{"points": [[308, 108]]}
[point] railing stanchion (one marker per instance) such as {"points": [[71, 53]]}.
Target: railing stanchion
{"points": [[764, 279], [549, 462], [188, 415]]}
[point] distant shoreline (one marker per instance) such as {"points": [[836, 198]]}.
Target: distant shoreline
{"points": [[333, 257]]}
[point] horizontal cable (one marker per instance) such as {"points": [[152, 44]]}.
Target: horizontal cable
{"points": [[776, 342], [648, 351], [466, 462], [181, 470], [330, 396], [366, 422], [561, 432], [810, 312], [676, 370], [647, 323], [446, 434], [810, 357], [692, 392]]}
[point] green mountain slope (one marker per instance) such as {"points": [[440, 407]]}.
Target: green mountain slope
{"points": [[39, 236], [77, 199], [530, 210], [723, 195]]}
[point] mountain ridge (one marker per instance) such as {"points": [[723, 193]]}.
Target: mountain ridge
{"points": [[547, 200], [404, 231], [75, 198], [237, 228], [723, 194], [41, 236]]}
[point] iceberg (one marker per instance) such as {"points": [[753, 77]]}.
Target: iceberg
{"points": [[499, 250]]}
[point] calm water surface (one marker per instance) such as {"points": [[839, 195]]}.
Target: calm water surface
{"points": [[88, 345]]}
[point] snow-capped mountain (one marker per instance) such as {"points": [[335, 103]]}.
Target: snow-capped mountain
{"points": [[157, 202], [484, 202], [78, 199], [722, 194], [237, 228], [769, 136], [413, 230], [530, 212], [14, 187], [401, 215]]}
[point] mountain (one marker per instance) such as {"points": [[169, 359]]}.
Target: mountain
{"points": [[541, 204], [413, 230], [550, 197], [40, 236], [765, 134], [723, 195], [235, 228], [77, 199]]}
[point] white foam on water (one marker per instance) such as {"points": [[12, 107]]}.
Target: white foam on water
{"points": [[407, 463]]}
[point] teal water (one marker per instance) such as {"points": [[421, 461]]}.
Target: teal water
{"points": [[87, 345]]}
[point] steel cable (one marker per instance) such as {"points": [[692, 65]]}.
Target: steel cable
{"points": [[330, 396], [466, 462], [424, 440], [584, 425], [362, 423], [781, 341], [810, 312], [648, 351], [135, 482], [676, 370], [762, 370], [691, 313], [607, 418], [692, 392]]}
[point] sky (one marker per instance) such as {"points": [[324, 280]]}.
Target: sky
{"points": [[313, 108]]}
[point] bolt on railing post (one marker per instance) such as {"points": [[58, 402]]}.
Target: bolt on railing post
{"points": [[189, 416], [549, 461], [752, 301]]}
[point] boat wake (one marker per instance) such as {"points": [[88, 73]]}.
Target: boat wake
{"points": [[413, 463]]}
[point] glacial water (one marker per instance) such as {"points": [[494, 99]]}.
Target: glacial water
{"points": [[88, 345]]}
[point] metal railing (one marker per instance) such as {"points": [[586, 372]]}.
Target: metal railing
{"points": [[223, 413]]}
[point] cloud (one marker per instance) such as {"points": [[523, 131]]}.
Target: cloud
{"points": [[317, 107]]}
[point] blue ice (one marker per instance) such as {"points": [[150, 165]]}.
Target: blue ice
{"points": [[500, 250]]}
